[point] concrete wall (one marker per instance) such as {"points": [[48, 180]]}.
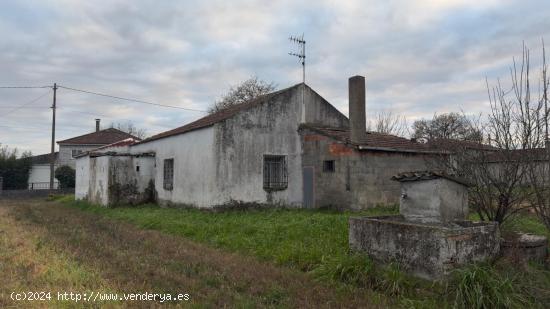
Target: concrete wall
{"points": [[434, 201], [40, 173], [82, 181], [362, 179], [224, 163], [98, 190], [194, 168], [65, 153], [427, 251], [112, 180], [319, 110]]}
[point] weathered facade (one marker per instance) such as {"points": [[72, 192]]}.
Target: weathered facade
{"points": [[431, 236], [272, 150], [69, 149]]}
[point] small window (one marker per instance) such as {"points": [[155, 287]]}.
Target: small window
{"points": [[328, 166], [75, 152], [168, 174], [137, 168], [275, 172]]}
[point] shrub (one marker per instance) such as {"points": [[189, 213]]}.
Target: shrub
{"points": [[66, 176]]}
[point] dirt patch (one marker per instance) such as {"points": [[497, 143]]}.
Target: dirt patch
{"points": [[133, 260]]}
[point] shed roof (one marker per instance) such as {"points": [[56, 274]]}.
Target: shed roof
{"points": [[428, 175], [375, 140], [43, 158], [102, 137]]}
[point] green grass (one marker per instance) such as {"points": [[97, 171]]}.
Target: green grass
{"points": [[316, 241], [301, 239]]}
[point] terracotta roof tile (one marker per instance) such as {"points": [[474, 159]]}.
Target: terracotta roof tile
{"points": [[428, 175], [374, 139], [103, 137]]}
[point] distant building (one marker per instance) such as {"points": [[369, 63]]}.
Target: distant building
{"points": [[290, 147], [39, 176]]}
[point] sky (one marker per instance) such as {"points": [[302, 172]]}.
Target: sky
{"points": [[419, 57]]}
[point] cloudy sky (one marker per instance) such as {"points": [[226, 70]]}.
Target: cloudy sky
{"points": [[419, 57]]}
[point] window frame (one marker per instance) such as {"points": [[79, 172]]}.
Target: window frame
{"points": [[76, 152], [275, 172], [168, 174]]}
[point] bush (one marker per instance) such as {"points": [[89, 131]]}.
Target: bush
{"points": [[14, 169], [66, 176]]}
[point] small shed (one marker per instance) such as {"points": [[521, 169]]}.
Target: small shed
{"points": [[433, 197]]}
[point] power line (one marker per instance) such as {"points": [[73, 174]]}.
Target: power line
{"points": [[24, 87], [24, 104], [131, 100]]}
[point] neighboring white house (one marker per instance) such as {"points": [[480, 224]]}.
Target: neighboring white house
{"points": [[289, 147], [39, 176]]}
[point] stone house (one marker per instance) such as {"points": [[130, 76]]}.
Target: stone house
{"points": [[39, 176], [290, 147]]}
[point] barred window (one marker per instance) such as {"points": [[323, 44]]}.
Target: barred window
{"points": [[275, 172], [328, 166], [168, 174]]}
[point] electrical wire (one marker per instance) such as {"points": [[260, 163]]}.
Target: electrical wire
{"points": [[130, 100], [24, 104], [24, 87]]}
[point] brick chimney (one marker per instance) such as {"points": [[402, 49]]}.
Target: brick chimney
{"points": [[357, 118], [97, 121]]}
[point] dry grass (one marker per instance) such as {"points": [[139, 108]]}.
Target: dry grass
{"points": [[45, 246]]}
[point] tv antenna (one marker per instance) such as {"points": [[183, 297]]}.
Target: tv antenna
{"points": [[301, 54]]}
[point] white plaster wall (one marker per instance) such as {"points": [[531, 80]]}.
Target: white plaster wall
{"points": [[99, 180], [242, 141], [194, 168], [41, 173], [82, 182]]}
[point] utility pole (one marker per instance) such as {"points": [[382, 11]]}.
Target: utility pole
{"points": [[52, 154]]}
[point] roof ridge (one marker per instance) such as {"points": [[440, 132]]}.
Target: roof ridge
{"points": [[218, 116]]}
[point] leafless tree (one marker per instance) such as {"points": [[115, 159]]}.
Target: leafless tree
{"points": [[448, 126], [130, 128], [508, 174], [388, 122], [245, 91], [539, 167]]}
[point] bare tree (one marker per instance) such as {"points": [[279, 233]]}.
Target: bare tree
{"points": [[512, 173], [388, 122], [539, 167], [130, 128], [245, 91], [448, 126]]}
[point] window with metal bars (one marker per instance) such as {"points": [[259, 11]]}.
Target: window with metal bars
{"points": [[168, 174], [328, 166], [275, 172]]}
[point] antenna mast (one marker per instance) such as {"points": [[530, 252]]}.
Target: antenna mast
{"points": [[301, 54]]}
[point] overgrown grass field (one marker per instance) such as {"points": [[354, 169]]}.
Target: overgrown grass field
{"points": [[296, 238], [316, 242]]}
